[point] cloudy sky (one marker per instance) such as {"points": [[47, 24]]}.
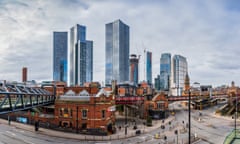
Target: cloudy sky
{"points": [[206, 32]]}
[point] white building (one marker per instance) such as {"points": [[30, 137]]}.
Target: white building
{"points": [[179, 69]]}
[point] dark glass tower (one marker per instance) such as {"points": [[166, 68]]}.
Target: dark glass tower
{"points": [[80, 60], [89, 61], [149, 67], [165, 71], [60, 56], [117, 52]]}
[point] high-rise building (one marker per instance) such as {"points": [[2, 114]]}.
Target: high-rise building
{"points": [[149, 67], [157, 83], [179, 71], [89, 61], [24, 74], [117, 52], [165, 71], [79, 61], [134, 69], [60, 54]]}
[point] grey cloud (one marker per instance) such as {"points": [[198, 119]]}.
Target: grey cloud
{"points": [[14, 2], [202, 31]]}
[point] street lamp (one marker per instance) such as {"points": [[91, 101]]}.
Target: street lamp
{"points": [[77, 121], [189, 117], [236, 104], [125, 120], [176, 132]]}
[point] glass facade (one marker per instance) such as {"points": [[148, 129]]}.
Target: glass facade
{"points": [[60, 43], [179, 71], [165, 71], [89, 62], [117, 52], [149, 67], [78, 59], [157, 83], [134, 69]]}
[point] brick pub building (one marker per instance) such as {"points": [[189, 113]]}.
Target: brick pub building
{"points": [[85, 112]]}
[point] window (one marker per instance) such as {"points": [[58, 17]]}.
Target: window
{"points": [[65, 112], [71, 112], [103, 113], [84, 113], [160, 105], [151, 106], [144, 91], [60, 113]]}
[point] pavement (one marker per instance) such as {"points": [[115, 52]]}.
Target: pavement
{"points": [[119, 135]]}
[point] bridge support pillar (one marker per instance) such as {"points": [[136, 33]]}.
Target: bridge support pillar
{"points": [[9, 120]]}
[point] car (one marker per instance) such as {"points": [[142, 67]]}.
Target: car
{"points": [[157, 136], [138, 132]]}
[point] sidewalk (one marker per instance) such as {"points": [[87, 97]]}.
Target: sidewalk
{"points": [[119, 135]]}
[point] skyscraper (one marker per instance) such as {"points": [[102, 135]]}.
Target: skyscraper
{"points": [[165, 71], [79, 62], [117, 52], [149, 67], [134, 69], [60, 56], [89, 61], [179, 71], [157, 83]]}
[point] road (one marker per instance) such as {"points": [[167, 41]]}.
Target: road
{"points": [[12, 135], [206, 125], [211, 129]]}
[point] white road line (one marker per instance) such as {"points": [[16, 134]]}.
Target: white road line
{"points": [[11, 133]]}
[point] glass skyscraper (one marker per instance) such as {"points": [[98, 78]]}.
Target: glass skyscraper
{"points": [[149, 67], [78, 59], [117, 52], [179, 70], [134, 69], [165, 71], [60, 44], [89, 61], [157, 83]]}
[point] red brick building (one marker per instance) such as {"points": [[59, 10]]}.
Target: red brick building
{"points": [[157, 108], [144, 89], [85, 111]]}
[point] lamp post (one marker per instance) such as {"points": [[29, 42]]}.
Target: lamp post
{"points": [[77, 121], [176, 132], [236, 116], [189, 117], [126, 120]]}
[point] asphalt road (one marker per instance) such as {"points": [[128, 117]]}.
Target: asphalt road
{"points": [[211, 129], [12, 135]]}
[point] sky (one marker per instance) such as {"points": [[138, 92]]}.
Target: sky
{"points": [[206, 32]]}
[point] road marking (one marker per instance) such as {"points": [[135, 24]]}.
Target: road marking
{"points": [[11, 133], [149, 135]]}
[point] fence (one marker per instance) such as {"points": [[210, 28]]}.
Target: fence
{"points": [[232, 137]]}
